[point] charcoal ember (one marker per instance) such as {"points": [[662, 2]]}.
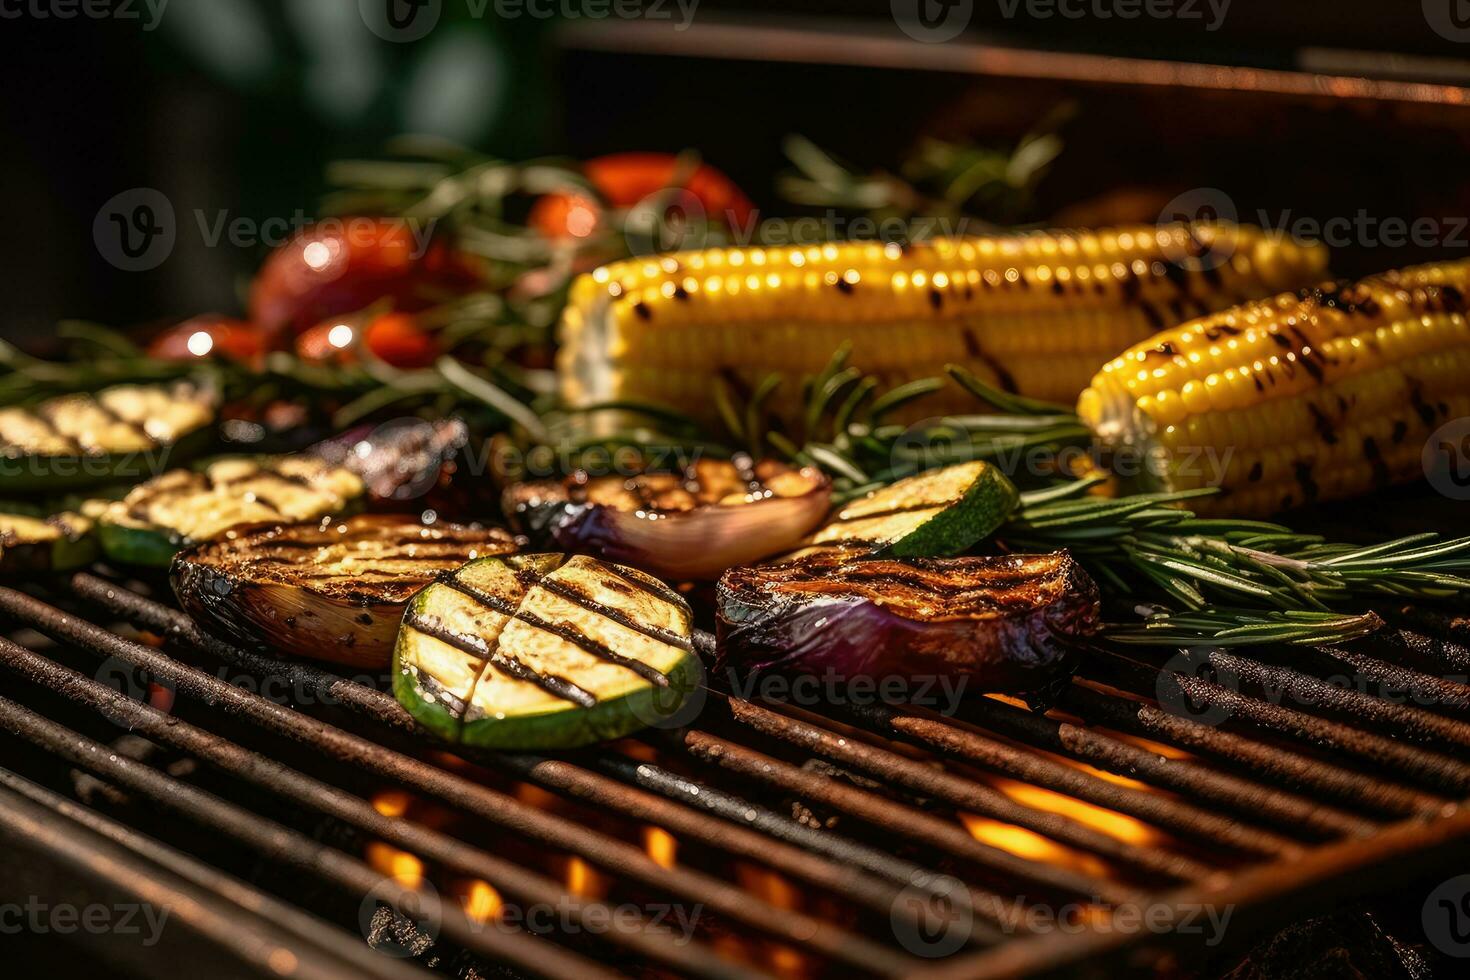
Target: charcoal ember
{"points": [[1343, 945], [396, 934]]}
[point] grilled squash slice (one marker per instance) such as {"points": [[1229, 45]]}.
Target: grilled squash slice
{"points": [[329, 589], [183, 507], [544, 651], [931, 514], [127, 431], [45, 544]]}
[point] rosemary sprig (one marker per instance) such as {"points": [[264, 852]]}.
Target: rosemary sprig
{"points": [[1201, 561], [1225, 627]]}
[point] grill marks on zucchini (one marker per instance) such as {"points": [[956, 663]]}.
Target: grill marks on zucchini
{"points": [[541, 651], [116, 421], [45, 544], [932, 514], [181, 507]]}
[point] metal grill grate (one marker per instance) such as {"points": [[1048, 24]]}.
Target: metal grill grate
{"points": [[906, 832]]}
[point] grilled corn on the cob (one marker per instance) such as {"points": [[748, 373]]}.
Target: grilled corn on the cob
{"points": [[1033, 313], [1306, 396]]}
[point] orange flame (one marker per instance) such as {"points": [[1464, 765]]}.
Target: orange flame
{"points": [[1027, 844], [1125, 828], [583, 880], [661, 846], [401, 866], [481, 901]]}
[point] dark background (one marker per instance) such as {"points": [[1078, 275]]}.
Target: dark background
{"points": [[232, 107]]}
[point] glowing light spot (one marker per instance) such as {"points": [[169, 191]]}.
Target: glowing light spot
{"points": [[340, 336], [200, 343], [317, 255]]}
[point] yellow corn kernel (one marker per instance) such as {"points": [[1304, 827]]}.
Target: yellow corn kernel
{"points": [[1315, 395]]}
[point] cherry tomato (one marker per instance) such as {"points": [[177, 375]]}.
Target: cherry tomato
{"points": [[624, 179], [396, 338], [340, 266], [209, 335]]}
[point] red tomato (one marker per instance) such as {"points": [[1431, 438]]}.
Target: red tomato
{"points": [[209, 335], [395, 338], [340, 266], [398, 339], [624, 179]]}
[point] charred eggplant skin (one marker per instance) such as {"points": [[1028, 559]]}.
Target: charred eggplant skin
{"points": [[1012, 623], [263, 586]]}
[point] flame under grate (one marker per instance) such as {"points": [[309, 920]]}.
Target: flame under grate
{"points": [[765, 839]]}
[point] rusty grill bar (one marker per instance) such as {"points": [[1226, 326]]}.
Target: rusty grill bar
{"points": [[886, 818]]}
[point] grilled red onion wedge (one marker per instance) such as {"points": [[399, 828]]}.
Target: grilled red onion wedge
{"points": [[1002, 623], [329, 590], [681, 526], [544, 651]]}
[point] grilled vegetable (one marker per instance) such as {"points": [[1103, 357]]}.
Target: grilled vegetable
{"points": [[932, 514], [183, 507], [31, 544], [690, 525], [82, 440], [543, 651], [1304, 397], [1002, 623], [329, 590], [1033, 313]]}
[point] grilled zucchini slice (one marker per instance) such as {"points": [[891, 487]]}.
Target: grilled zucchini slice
{"points": [[544, 651], [45, 544], [183, 507], [328, 590], [123, 432], [933, 514]]}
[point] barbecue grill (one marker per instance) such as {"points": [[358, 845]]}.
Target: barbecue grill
{"points": [[874, 838]]}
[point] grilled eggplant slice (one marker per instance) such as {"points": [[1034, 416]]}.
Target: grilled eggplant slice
{"points": [[329, 589], [682, 526], [45, 544], [544, 651], [84, 440], [1003, 623], [184, 507], [932, 514]]}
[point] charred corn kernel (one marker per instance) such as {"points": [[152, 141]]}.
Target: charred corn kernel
{"points": [[1036, 312], [1307, 396]]}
